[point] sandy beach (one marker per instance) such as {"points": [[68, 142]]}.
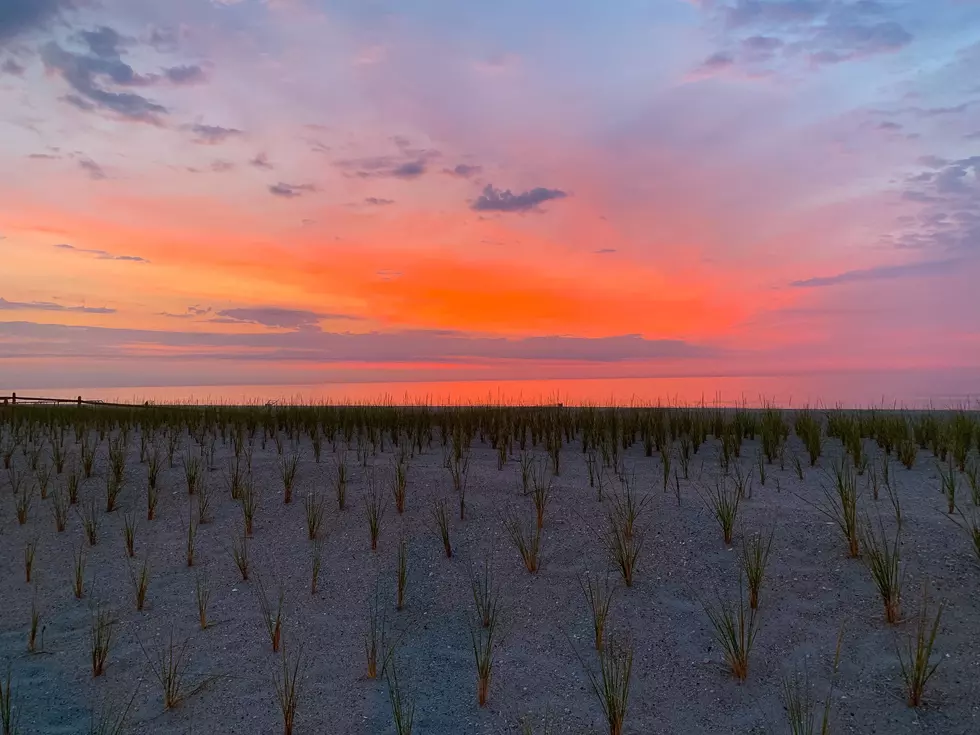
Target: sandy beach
{"points": [[544, 643]]}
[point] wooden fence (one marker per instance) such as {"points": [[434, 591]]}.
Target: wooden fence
{"points": [[13, 399]]}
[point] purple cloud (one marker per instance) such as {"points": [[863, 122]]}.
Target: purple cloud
{"points": [[51, 306], [188, 74], [880, 273], [503, 200], [288, 191], [93, 169], [275, 317], [17, 16], [463, 170], [212, 134], [101, 254]]}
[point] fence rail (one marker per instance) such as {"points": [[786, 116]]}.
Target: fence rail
{"points": [[13, 399]]}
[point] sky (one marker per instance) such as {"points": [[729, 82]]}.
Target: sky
{"points": [[296, 192]]}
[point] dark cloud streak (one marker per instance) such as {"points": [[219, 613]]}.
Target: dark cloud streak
{"points": [[18, 16], [289, 191], [101, 254], [51, 306], [503, 200], [880, 273]]}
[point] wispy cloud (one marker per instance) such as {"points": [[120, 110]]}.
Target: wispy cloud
{"points": [[276, 317], [101, 254], [302, 342], [192, 312], [463, 170], [289, 191], [764, 36], [94, 170], [9, 66], [17, 16], [212, 134], [92, 75], [881, 273], [186, 74], [410, 164], [51, 306], [503, 200], [261, 161]]}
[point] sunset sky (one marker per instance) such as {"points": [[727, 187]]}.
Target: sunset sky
{"points": [[296, 192]]}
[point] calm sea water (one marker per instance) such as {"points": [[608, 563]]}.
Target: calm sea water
{"points": [[851, 389]]}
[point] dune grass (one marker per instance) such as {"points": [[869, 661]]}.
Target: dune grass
{"points": [[628, 505], [378, 646], [23, 500], [916, 661], [287, 682], [907, 452], [374, 507], [755, 557], [111, 717], [724, 501], [141, 582], [288, 469], [540, 494], [9, 707], [129, 533], [458, 463], [948, 484], [528, 543], [483, 639], [30, 552], [249, 503], [191, 539], [192, 472], [152, 500], [316, 563], [35, 624], [239, 553], [205, 495], [340, 479], [526, 462], [153, 461], [272, 617], [72, 482], [399, 483], [402, 705], [380, 433], [314, 507], [971, 524], [91, 520], [202, 596], [440, 514], [884, 562], [43, 477], [611, 685], [168, 665], [402, 574], [486, 594], [78, 572], [623, 545], [599, 597], [100, 639], [735, 626], [799, 700], [840, 506]]}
